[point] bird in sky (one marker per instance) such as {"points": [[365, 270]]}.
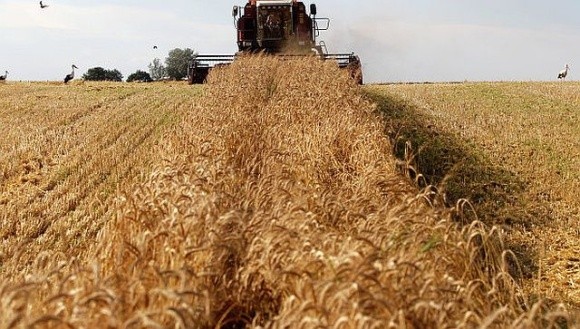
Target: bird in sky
{"points": [[3, 77], [154, 47], [564, 72], [42, 5], [71, 75]]}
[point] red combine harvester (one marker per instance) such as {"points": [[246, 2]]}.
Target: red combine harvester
{"points": [[278, 27]]}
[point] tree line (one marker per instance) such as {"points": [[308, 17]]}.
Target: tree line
{"points": [[175, 68]]}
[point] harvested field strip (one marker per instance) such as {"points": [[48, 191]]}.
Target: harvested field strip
{"points": [[61, 177], [275, 202], [513, 150]]}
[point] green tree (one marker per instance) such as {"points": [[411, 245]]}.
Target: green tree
{"points": [[100, 74], [156, 69], [95, 74], [141, 76], [114, 75], [177, 62]]}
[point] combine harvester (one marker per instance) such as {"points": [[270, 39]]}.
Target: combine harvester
{"points": [[277, 27]]}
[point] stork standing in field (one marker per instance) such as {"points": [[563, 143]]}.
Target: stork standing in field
{"points": [[71, 75], [3, 77], [564, 72]]}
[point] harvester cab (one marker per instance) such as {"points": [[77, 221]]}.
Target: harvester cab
{"points": [[278, 27]]}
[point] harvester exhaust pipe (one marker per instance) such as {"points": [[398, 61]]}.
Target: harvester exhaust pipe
{"points": [[313, 9]]}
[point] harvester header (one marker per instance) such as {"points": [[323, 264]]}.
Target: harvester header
{"points": [[278, 27]]}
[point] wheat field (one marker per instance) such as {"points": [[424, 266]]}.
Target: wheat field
{"points": [[269, 198]]}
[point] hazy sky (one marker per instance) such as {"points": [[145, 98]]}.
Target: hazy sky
{"points": [[397, 40]]}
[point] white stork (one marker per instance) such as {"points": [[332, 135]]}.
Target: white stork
{"points": [[71, 75], [562, 74], [3, 77]]}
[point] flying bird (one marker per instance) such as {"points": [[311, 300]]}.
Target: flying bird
{"points": [[70, 76], [564, 72], [43, 6], [154, 47], [3, 77]]}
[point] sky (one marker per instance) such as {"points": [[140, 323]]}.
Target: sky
{"points": [[397, 40]]}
